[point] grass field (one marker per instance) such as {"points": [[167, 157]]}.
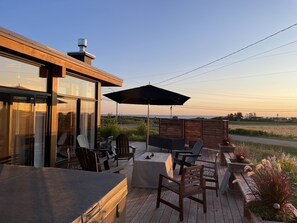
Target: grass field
{"points": [[287, 130]]}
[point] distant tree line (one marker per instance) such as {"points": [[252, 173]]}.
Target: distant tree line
{"points": [[238, 116]]}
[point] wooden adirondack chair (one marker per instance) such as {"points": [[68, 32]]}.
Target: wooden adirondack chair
{"points": [[123, 150], [187, 157], [90, 161]]}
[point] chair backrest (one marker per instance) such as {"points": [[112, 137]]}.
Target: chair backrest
{"points": [[196, 150], [192, 181], [87, 159], [122, 144], [62, 139], [83, 141]]}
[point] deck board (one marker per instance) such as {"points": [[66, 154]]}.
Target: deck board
{"points": [[141, 203]]}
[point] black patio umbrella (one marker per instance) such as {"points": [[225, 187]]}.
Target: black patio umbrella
{"points": [[147, 95]]}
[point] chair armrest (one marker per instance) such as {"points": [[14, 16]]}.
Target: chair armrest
{"points": [[178, 152], [101, 150], [133, 148], [190, 155], [206, 161], [185, 150], [169, 178]]}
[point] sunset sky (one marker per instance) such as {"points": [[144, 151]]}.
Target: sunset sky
{"points": [[169, 43]]}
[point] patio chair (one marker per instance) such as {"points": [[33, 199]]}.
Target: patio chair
{"points": [[210, 173], [191, 183], [83, 141], [123, 150], [62, 146], [107, 149], [187, 157], [90, 161]]}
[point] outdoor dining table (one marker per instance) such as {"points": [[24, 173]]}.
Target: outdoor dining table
{"points": [[148, 167]]}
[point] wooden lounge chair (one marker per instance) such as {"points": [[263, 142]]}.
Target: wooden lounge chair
{"points": [[90, 161], [123, 150], [210, 173], [187, 157], [83, 141], [191, 183], [106, 148]]}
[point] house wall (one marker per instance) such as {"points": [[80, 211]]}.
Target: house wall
{"points": [[53, 67], [212, 132]]}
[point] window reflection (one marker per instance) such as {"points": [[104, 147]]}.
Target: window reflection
{"points": [[66, 127], [22, 137], [76, 87], [20, 75], [87, 120]]}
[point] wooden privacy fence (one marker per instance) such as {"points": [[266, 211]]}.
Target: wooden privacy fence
{"points": [[212, 132]]}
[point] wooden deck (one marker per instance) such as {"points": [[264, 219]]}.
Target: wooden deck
{"points": [[141, 203]]}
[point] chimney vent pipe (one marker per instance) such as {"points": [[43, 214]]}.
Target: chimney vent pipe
{"points": [[82, 44]]}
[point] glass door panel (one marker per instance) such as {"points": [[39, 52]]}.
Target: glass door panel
{"points": [[4, 123], [40, 131], [87, 120], [66, 127], [22, 136], [22, 129]]}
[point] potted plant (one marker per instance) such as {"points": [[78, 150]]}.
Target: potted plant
{"points": [[225, 146], [272, 192], [239, 161]]}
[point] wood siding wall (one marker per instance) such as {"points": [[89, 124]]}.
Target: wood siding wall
{"points": [[212, 132]]}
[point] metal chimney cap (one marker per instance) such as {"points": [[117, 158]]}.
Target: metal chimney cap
{"points": [[82, 44]]}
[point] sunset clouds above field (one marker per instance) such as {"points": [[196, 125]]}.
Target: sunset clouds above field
{"points": [[181, 46]]}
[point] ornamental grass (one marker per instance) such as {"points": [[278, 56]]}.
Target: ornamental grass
{"points": [[272, 191]]}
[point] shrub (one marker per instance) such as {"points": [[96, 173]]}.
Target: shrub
{"points": [[241, 155], [109, 127], [141, 128], [226, 141], [248, 132]]}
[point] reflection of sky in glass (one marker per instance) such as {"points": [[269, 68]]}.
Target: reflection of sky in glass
{"points": [[76, 87], [88, 107], [67, 105], [14, 73]]}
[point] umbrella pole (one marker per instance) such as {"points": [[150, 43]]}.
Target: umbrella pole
{"points": [[148, 126]]}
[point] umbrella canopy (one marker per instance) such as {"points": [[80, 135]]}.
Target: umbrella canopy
{"points": [[147, 95]]}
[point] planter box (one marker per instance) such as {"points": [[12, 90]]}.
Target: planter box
{"points": [[225, 149], [252, 218], [235, 167]]}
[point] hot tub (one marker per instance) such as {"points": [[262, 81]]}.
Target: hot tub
{"points": [[31, 194]]}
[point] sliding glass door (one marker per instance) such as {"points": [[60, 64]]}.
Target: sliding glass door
{"points": [[67, 116], [76, 113], [24, 123]]}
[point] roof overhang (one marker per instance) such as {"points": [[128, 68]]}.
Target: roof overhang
{"points": [[22, 45]]}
